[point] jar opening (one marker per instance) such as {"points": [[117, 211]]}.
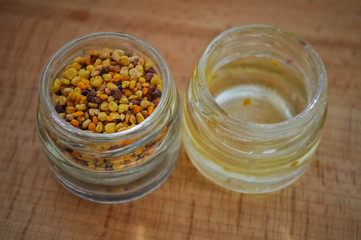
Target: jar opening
{"points": [[261, 76], [98, 41]]}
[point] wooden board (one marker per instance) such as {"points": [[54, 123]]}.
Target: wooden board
{"points": [[325, 203]]}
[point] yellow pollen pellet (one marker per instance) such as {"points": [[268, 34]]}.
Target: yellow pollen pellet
{"points": [[65, 81], [124, 60], [90, 68], [139, 117], [148, 64], [99, 127], [155, 79], [114, 115], [70, 73], [97, 82], [123, 108], [76, 65], [56, 85], [104, 106], [102, 116], [113, 106], [111, 86], [141, 80], [110, 127], [132, 84], [78, 114], [75, 80], [107, 77]]}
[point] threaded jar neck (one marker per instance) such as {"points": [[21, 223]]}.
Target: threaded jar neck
{"points": [[261, 41]]}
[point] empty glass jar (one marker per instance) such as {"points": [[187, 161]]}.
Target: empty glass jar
{"points": [[255, 108]]}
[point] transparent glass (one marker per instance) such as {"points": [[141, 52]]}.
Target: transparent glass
{"points": [[255, 108], [150, 149]]}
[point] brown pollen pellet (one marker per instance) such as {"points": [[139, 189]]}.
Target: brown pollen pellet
{"points": [[116, 93]]}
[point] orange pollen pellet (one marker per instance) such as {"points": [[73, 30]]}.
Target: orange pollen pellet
{"points": [[108, 118], [150, 110], [74, 122], [246, 102], [274, 63], [124, 77], [85, 81], [116, 78], [78, 114], [82, 86], [95, 119], [69, 104], [136, 109], [103, 96], [144, 91], [78, 98], [88, 60], [127, 92], [91, 126]]}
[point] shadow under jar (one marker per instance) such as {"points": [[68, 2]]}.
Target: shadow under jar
{"points": [[255, 108], [144, 155]]}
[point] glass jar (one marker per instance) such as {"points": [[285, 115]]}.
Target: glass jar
{"points": [[141, 157], [255, 108]]}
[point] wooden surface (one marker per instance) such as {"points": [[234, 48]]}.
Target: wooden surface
{"points": [[325, 203]]}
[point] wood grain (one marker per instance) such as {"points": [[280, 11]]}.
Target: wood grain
{"points": [[325, 203]]}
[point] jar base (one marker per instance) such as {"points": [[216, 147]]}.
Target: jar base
{"points": [[246, 184], [253, 188], [119, 198]]}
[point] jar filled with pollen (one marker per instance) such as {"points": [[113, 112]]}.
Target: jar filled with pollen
{"points": [[109, 117]]}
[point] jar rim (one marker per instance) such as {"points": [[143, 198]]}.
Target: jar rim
{"points": [[45, 96], [315, 58]]}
